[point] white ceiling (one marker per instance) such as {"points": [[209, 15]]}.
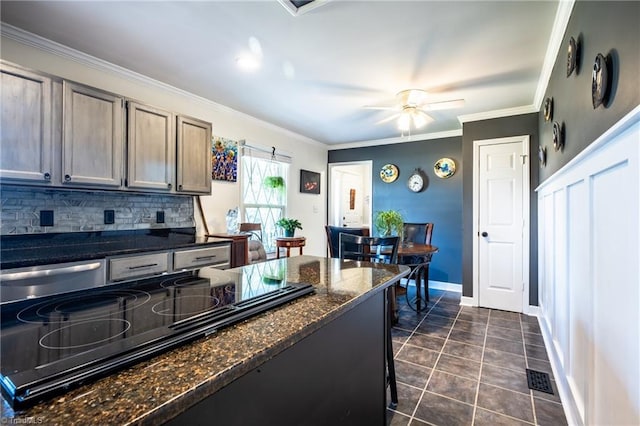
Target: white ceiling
{"points": [[344, 55]]}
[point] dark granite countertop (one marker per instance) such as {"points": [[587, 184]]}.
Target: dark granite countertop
{"points": [[154, 391], [18, 251]]}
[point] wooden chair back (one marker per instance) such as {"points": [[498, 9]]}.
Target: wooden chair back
{"points": [[369, 249], [419, 233], [333, 233]]}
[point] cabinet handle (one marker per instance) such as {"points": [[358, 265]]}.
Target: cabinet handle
{"points": [[213, 256], [47, 176], [484, 234], [180, 187], [169, 185], [67, 178], [143, 266]]}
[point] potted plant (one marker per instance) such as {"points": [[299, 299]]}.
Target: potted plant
{"points": [[274, 182], [289, 226], [389, 222]]}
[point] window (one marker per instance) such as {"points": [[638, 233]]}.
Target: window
{"points": [[264, 193]]}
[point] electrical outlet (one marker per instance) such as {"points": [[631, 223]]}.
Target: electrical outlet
{"points": [[109, 217], [46, 217], [159, 216]]}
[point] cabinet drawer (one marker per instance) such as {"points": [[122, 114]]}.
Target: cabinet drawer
{"points": [[138, 266], [188, 259]]}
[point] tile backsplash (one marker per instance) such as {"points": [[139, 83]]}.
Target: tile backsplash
{"points": [[82, 211]]}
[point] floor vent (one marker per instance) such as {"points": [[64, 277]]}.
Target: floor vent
{"points": [[539, 381]]}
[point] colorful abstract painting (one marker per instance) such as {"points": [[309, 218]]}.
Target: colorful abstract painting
{"points": [[224, 159]]}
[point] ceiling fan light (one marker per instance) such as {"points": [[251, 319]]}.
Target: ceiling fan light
{"points": [[404, 121], [419, 120]]}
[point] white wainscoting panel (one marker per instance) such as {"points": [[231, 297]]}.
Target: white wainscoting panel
{"points": [[589, 277]]}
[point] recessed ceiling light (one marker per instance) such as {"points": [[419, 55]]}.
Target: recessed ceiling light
{"points": [[248, 62]]}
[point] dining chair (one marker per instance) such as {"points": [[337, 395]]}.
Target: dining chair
{"points": [[333, 233], [257, 252], [377, 250], [419, 233]]}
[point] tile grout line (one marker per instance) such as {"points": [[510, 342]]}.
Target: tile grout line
{"points": [[526, 363], [395, 357], [424, 389], [484, 345]]}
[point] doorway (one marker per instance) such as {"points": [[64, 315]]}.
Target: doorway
{"points": [[350, 194], [501, 223]]}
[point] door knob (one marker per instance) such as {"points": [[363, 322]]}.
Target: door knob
{"points": [[484, 234]]}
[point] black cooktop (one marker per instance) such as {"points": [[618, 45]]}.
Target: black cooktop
{"points": [[52, 344]]}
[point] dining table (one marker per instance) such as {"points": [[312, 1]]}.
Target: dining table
{"points": [[418, 257]]}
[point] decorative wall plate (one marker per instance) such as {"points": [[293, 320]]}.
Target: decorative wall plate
{"points": [[558, 140], [542, 155], [599, 80], [548, 109], [572, 56], [389, 173], [444, 168]]}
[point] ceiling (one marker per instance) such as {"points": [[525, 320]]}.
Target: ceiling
{"points": [[320, 68]]}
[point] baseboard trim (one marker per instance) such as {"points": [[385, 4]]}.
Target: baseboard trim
{"points": [[468, 301], [443, 285], [566, 396]]}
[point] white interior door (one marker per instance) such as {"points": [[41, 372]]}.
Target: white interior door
{"points": [[502, 221], [350, 194]]}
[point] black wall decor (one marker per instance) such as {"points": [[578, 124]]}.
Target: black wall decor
{"points": [[611, 29]]}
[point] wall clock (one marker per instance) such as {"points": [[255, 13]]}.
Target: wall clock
{"points": [[389, 173], [444, 168], [416, 181]]}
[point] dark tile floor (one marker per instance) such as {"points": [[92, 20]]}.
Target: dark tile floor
{"points": [[466, 366]]}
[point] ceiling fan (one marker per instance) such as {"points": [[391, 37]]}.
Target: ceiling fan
{"points": [[412, 106]]}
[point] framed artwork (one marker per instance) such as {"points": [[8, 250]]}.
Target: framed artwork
{"points": [[224, 159], [309, 182]]}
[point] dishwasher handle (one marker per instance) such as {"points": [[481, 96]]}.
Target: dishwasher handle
{"points": [[14, 276]]}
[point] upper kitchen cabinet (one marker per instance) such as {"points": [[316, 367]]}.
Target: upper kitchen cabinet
{"points": [[194, 156], [151, 148], [93, 137], [26, 138]]}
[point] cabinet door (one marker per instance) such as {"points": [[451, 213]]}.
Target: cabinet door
{"points": [[194, 156], [151, 148], [93, 136], [25, 126]]}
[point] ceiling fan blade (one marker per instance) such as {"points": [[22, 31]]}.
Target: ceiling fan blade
{"points": [[387, 119], [435, 106], [385, 108], [421, 118]]}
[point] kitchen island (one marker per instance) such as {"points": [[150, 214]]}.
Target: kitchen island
{"points": [[316, 359]]}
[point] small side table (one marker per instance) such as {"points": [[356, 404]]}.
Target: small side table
{"points": [[285, 242]]}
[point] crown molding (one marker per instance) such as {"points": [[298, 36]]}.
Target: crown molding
{"points": [[498, 113], [563, 14], [399, 139], [33, 40]]}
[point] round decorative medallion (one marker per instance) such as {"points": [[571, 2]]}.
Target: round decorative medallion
{"points": [[389, 173], [572, 56], [558, 140], [599, 80], [444, 168], [542, 155], [548, 109]]}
